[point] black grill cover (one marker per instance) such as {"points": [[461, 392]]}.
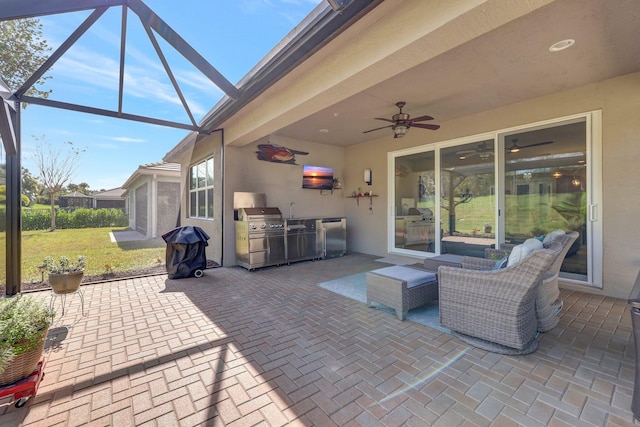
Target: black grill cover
{"points": [[186, 251]]}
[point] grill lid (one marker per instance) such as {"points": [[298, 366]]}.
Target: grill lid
{"points": [[245, 213]]}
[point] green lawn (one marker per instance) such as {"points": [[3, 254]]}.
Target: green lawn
{"points": [[37, 206], [527, 215], [94, 243]]}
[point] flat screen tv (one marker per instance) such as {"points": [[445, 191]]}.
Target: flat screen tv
{"points": [[317, 177]]}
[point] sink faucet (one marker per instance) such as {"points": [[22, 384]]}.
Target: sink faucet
{"points": [[291, 205]]}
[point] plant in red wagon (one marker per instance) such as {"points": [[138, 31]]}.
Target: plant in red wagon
{"points": [[24, 323]]}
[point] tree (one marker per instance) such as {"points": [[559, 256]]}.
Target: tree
{"points": [[56, 166], [30, 185], [83, 188], [450, 183], [22, 51]]}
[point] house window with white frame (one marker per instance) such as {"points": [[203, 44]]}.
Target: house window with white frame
{"points": [[201, 190]]}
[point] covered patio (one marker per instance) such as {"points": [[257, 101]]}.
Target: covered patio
{"points": [[270, 347]]}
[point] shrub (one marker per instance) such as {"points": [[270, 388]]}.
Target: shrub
{"points": [[23, 320], [79, 218]]}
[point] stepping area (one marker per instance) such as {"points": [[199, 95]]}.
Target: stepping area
{"points": [[271, 348]]}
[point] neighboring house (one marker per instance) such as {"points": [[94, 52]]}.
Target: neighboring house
{"points": [[109, 199], [104, 199], [75, 199], [490, 73], [152, 196]]}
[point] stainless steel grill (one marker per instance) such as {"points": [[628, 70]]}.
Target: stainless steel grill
{"points": [[259, 237]]}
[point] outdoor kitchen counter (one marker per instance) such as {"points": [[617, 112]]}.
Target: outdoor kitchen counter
{"points": [[330, 237]]}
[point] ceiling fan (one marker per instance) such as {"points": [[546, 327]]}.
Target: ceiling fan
{"points": [[401, 122], [485, 149], [514, 148]]}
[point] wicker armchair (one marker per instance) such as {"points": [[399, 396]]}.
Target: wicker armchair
{"points": [[495, 310], [548, 302], [550, 283]]}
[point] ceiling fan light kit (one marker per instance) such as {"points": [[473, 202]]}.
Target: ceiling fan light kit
{"points": [[399, 131], [401, 122]]}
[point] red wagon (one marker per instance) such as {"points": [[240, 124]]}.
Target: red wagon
{"points": [[25, 388]]}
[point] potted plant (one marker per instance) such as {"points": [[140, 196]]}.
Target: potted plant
{"points": [[65, 276], [24, 322]]}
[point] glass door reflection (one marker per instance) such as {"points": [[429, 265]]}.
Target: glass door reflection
{"points": [[546, 189], [467, 198], [415, 202]]}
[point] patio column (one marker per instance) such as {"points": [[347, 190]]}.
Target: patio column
{"points": [[13, 217]]}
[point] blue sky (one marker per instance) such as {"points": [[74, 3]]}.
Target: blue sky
{"points": [[231, 35]]}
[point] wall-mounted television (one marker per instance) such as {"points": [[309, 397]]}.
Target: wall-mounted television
{"points": [[317, 177]]}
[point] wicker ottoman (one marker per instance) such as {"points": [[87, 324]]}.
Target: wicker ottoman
{"points": [[401, 288], [450, 260]]}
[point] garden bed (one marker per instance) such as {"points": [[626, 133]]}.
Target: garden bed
{"points": [[106, 277]]}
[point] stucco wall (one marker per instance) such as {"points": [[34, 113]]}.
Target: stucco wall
{"points": [[619, 100], [281, 182], [204, 147]]}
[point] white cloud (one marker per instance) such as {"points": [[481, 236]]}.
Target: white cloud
{"points": [[97, 70], [127, 139]]}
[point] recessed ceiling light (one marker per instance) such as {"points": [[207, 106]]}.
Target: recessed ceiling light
{"points": [[324, 131], [562, 45]]}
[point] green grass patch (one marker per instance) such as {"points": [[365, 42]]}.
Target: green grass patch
{"points": [[102, 254], [38, 206], [526, 215]]}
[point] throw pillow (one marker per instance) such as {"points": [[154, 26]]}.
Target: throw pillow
{"points": [[550, 236], [501, 263], [521, 251]]}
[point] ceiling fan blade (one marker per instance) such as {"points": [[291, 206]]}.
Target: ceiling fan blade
{"points": [[466, 151], [469, 154], [423, 126], [536, 144], [422, 119], [386, 120], [371, 130]]}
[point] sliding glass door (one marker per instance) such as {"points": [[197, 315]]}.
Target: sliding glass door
{"points": [[414, 202], [545, 188], [460, 197], [467, 198]]}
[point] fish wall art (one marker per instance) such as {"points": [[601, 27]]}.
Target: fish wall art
{"points": [[278, 154]]}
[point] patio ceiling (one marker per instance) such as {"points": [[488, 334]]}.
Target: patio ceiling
{"points": [[509, 64]]}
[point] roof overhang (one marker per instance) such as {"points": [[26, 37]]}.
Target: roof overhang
{"points": [[445, 59]]}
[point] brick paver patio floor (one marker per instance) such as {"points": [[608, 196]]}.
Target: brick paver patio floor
{"points": [[270, 348]]}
